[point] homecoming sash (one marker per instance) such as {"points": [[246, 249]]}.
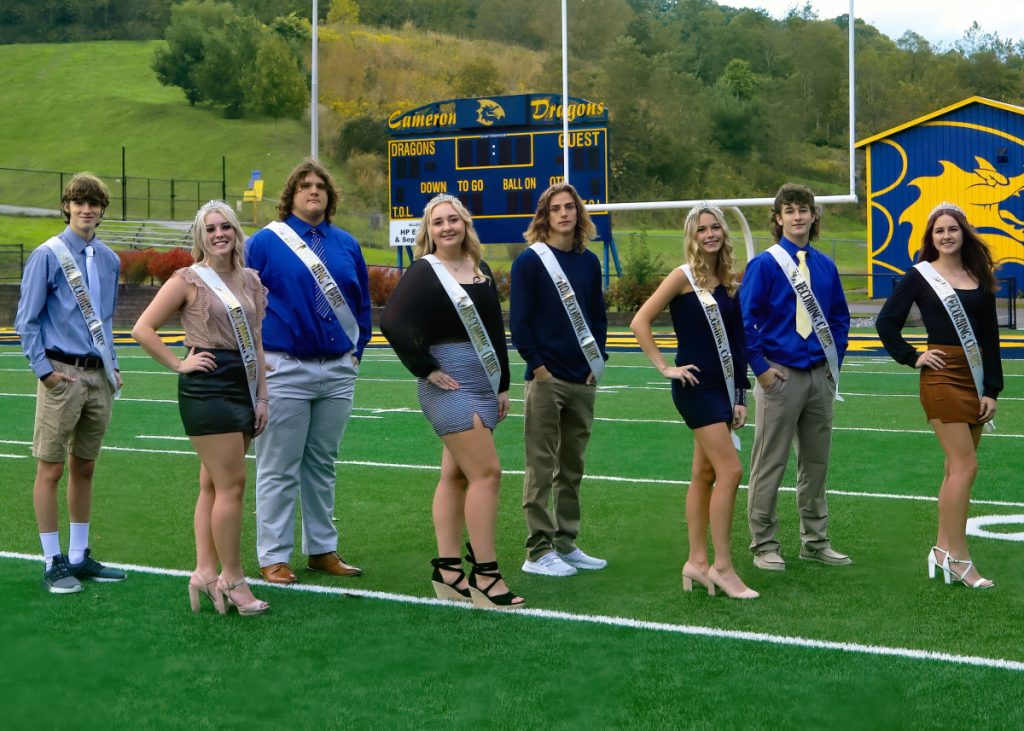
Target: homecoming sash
{"points": [[806, 298], [85, 305], [470, 317], [955, 308], [714, 316], [322, 277], [586, 340], [239, 323]]}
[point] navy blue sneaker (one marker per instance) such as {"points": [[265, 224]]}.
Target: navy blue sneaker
{"points": [[58, 578], [90, 568]]}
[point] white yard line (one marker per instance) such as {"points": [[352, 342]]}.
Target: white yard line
{"points": [[856, 648], [595, 478]]}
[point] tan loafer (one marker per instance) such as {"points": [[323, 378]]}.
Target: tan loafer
{"points": [[825, 555], [333, 564], [770, 561], [278, 573]]}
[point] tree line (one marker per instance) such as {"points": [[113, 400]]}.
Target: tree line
{"points": [[704, 99]]}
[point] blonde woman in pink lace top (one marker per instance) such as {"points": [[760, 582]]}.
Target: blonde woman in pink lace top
{"points": [[214, 398]]}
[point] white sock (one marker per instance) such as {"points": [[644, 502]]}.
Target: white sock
{"points": [[78, 543], [51, 547]]}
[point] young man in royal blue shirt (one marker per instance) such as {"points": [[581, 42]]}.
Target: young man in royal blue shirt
{"points": [[77, 375], [312, 364], [558, 406], [795, 389]]}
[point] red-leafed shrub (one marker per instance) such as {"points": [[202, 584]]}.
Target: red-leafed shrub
{"points": [[134, 265], [162, 264], [503, 282], [383, 281]]}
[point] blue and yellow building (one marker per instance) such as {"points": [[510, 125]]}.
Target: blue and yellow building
{"points": [[970, 153]]}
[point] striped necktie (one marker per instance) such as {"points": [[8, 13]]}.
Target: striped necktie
{"points": [[803, 318], [321, 305]]}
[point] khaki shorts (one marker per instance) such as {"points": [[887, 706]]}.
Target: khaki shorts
{"points": [[73, 415]]}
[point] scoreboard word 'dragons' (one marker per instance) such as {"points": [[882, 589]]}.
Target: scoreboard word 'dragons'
{"points": [[497, 155]]}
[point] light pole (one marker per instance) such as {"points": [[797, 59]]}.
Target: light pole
{"points": [[314, 93]]}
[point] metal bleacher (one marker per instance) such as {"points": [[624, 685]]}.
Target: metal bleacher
{"points": [[145, 234]]}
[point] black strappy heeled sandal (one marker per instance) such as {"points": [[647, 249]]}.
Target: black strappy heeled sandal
{"points": [[442, 588], [481, 595]]}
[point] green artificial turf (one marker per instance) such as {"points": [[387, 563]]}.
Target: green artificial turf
{"points": [[138, 657]]}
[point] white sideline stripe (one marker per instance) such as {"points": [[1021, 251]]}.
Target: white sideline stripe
{"points": [[916, 373], [678, 422], [599, 478], [136, 400], [691, 630]]}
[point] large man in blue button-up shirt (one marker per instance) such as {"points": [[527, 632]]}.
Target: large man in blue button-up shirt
{"points": [[795, 390], [74, 393], [311, 373]]}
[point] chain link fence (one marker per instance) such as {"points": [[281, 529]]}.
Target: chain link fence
{"points": [[131, 197]]}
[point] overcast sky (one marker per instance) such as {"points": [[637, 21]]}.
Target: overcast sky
{"points": [[939, 21]]}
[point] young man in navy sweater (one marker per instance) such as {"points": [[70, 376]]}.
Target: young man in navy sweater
{"points": [[559, 327]]}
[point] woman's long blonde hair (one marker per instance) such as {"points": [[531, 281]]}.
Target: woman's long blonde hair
{"points": [[722, 265], [470, 243]]}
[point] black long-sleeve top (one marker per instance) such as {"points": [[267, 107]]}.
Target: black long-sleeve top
{"points": [[419, 314], [979, 305]]}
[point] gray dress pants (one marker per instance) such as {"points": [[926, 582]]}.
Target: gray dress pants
{"points": [[310, 403]]}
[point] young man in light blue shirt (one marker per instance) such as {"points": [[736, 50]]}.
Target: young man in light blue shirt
{"points": [[77, 372]]}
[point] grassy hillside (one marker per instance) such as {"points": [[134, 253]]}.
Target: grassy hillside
{"points": [[73, 106]]}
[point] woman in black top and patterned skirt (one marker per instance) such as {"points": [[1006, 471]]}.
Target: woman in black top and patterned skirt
{"points": [[949, 394], [427, 332], [700, 391]]}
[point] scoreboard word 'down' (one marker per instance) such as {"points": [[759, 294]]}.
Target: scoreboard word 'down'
{"points": [[496, 155]]}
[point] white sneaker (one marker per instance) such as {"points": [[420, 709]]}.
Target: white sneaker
{"points": [[580, 560], [548, 565]]}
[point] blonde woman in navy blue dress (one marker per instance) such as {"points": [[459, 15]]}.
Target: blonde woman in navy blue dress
{"points": [[701, 395], [426, 332]]}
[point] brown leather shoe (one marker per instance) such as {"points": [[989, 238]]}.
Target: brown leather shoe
{"points": [[333, 564], [278, 573]]}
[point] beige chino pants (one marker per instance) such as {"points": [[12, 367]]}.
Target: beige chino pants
{"points": [[795, 412]]}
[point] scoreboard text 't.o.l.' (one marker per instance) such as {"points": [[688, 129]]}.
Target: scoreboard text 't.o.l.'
{"points": [[497, 155]]}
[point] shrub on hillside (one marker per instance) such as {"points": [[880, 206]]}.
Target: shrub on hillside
{"points": [[162, 264], [134, 265], [366, 133], [383, 281]]}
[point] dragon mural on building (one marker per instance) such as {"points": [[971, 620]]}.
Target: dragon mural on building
{"points": [[984, 193]]}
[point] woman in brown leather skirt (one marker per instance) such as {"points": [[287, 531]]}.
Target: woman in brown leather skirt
{"points": [[949, 395]]}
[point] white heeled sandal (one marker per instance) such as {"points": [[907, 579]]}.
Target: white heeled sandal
{"points": [[934, 563], [980, 583]]}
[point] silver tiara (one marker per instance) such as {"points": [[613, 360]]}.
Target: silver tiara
{"points": [[438, 199], [946, 206], [705, 206], [211, 205]]}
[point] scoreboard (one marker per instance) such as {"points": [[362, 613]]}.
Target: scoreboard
{"points": [[497, 155]]}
